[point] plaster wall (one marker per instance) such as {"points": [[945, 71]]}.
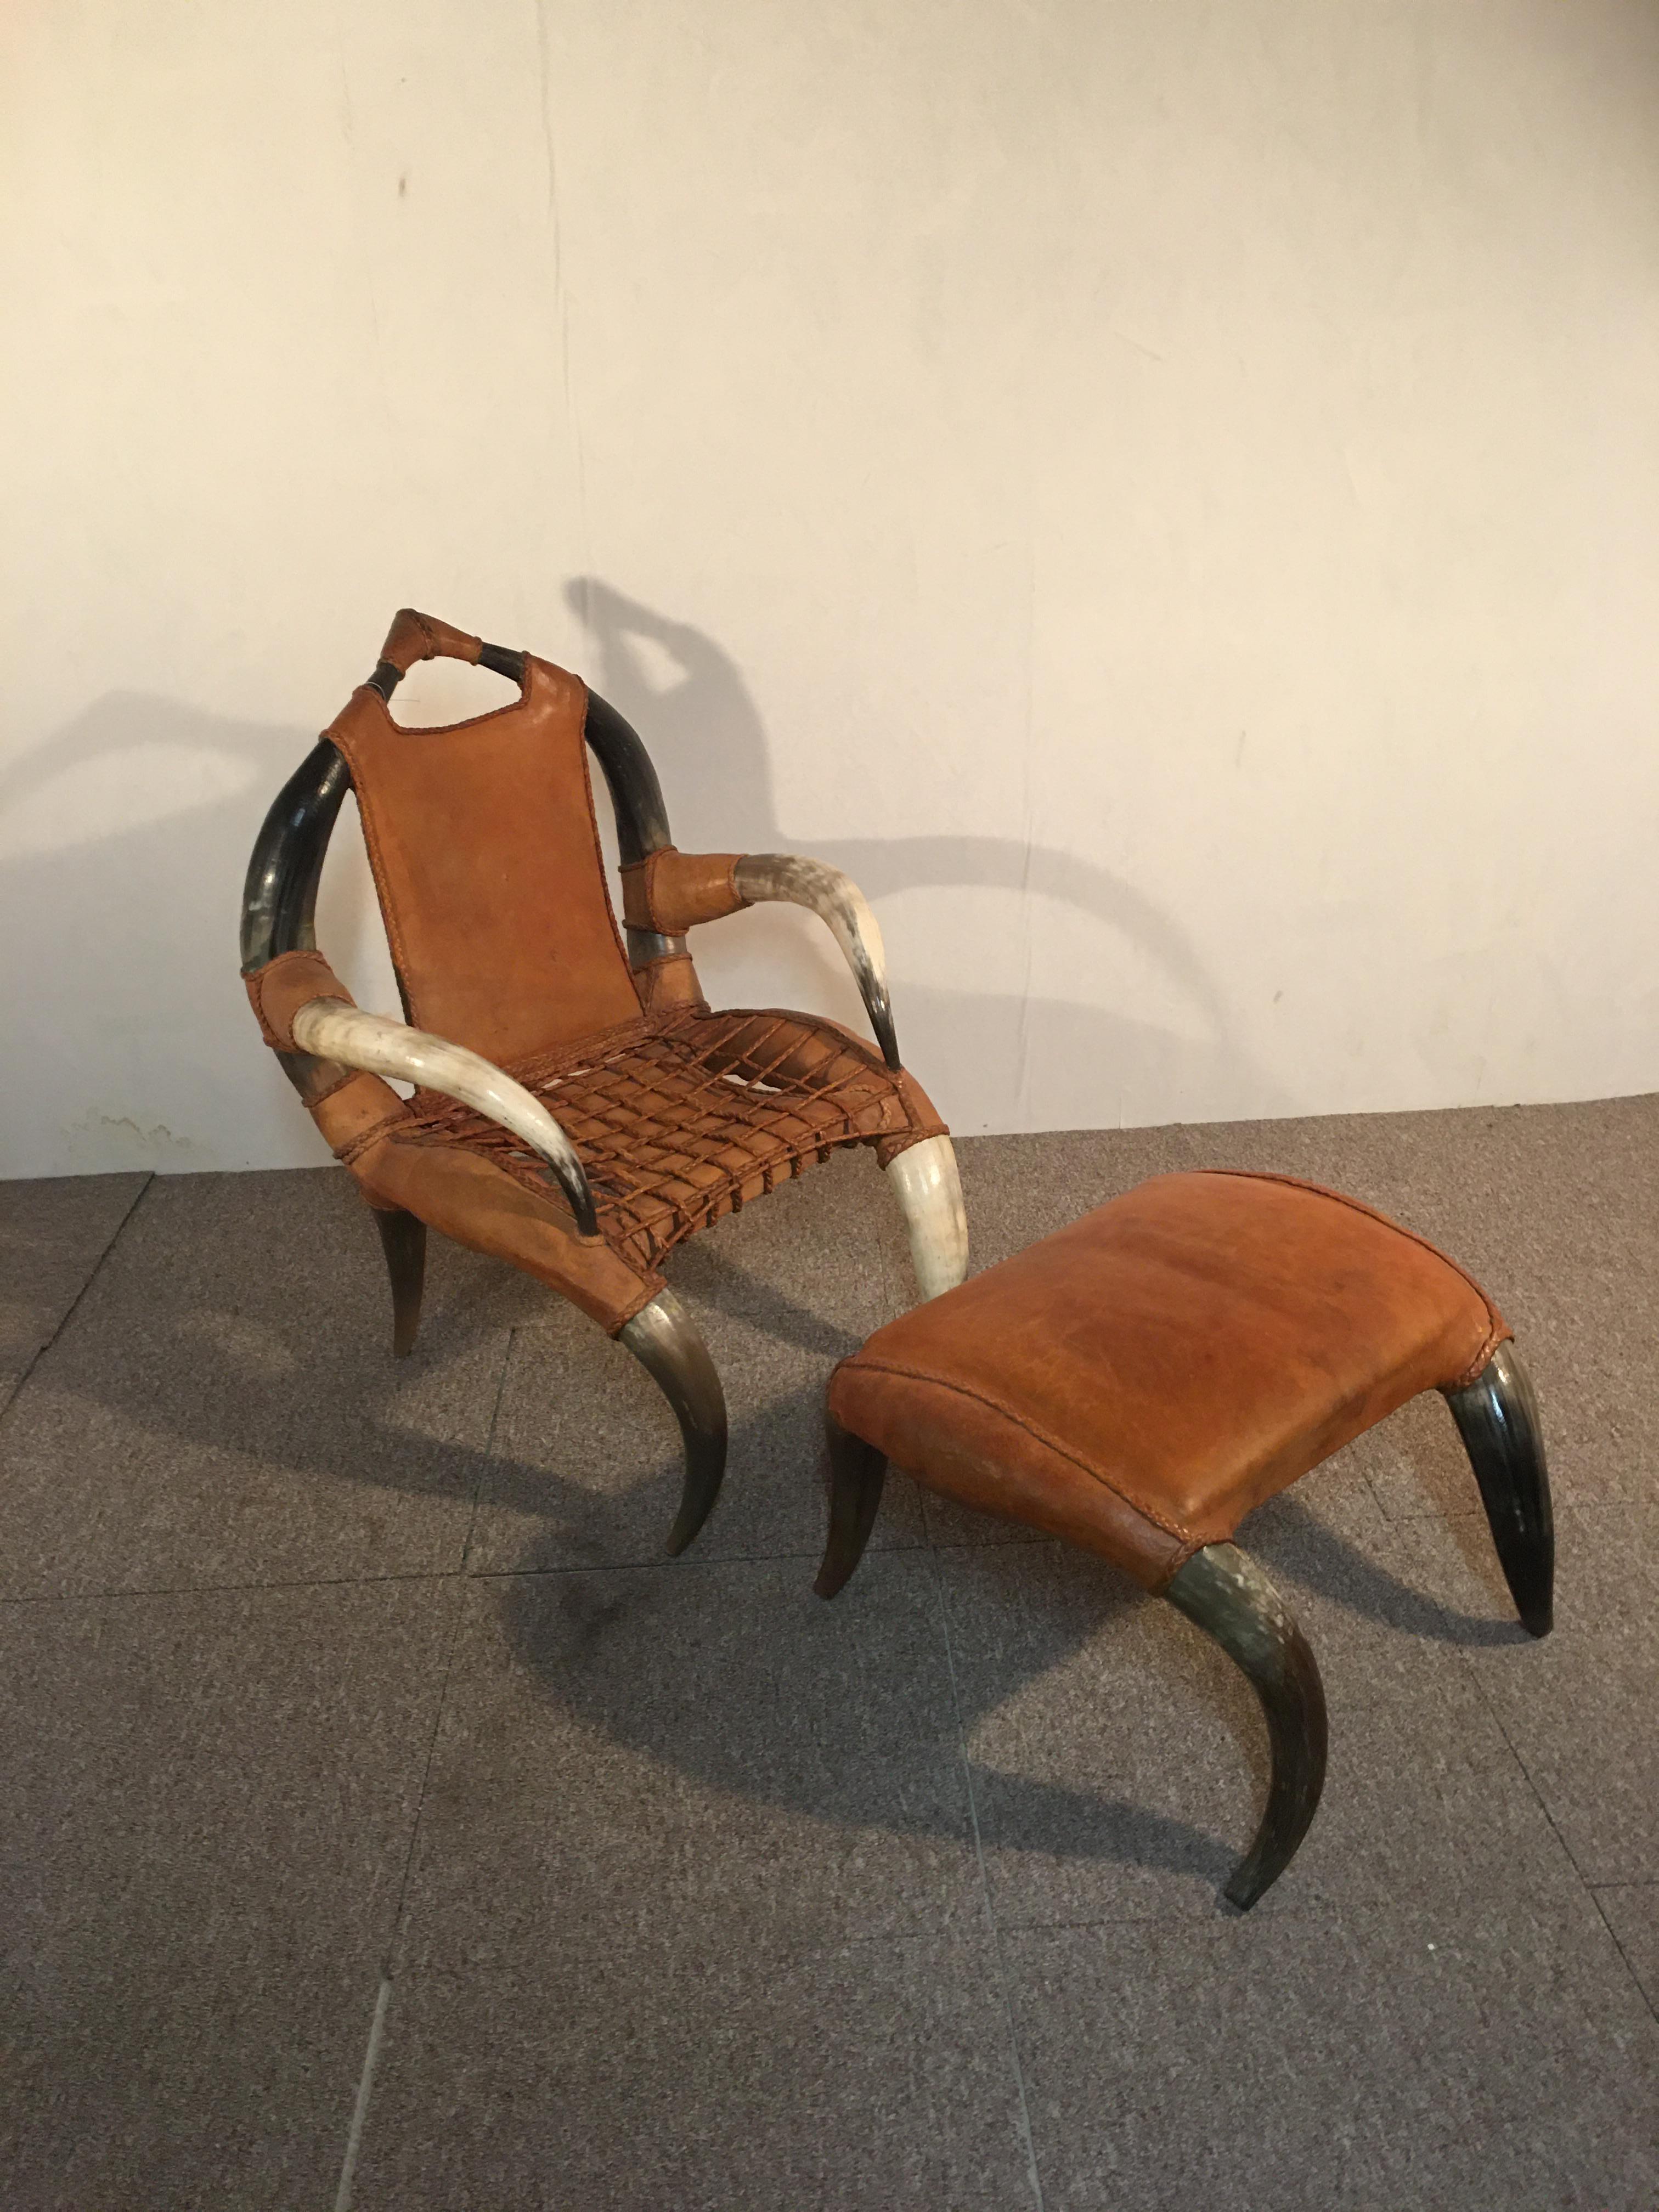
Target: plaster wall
{"points": [[1164, 492]]}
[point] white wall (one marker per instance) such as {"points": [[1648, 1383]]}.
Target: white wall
{"points": [[1164, 492]]}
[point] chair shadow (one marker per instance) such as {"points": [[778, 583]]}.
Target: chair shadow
{"points": [[706, 738], [138, 914]]}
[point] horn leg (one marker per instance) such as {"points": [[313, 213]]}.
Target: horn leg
{"points": [[403, 1239], [929, 1191], [856, 1472], [667, 1342], [1497, 1416], [1224, 1590]]}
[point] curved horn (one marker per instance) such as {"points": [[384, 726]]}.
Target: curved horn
{"points": [[667, 1342], [403, 1239], [856, 1472], [929, 1192], [636, 801], [1224, 1590], [1497, 1416], [837, 900], [279, 897], [333, 1030]]}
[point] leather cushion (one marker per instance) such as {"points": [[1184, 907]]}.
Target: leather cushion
{"points": [[1138, 1381]]}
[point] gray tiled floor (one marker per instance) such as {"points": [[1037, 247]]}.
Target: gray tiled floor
{"points": [[52, 1234], [332, 1690]]}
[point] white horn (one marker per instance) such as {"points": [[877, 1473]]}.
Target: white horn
{"points": [[333, 1030], [930, 1197], [837, 900]]}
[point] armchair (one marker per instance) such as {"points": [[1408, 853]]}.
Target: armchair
{"points": [[578, 1110]]}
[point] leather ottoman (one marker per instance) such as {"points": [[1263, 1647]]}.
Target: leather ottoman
{"points": [[1139, 1381]]}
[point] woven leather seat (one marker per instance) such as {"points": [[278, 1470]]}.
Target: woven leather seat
{"points": [[679, 1124]]}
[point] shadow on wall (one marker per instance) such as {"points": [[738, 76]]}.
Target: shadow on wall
{"points": [[126, 837], [1017, 1059], [123, 1006]]}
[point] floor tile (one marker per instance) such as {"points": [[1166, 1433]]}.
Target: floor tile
{"points": [[587, 1464], [671, 1750], [1632, 1910], [209, 1810], [53, 1232], [1471, 2056], [699, 2077], [166, 2080], [1119, 1758], [1581, 1707], [223, 1407], [694, 1911]]}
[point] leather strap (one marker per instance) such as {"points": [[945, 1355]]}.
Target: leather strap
{"points": [[278, 990], [670, 891], [414, 637]]}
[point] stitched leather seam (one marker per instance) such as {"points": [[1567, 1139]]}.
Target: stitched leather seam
{"points": [[1501, 1333], [436, 729], [346, 1075], [859, 1365], [350, 1153]]}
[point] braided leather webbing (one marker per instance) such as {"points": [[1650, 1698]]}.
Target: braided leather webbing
{"points": [[678, 1123]]}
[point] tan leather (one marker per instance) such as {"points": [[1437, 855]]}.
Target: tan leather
{"points": [[922, 1115], [487, 860], [278, 990], [670, 985], [415, 637], [1139, 1381], [358, 1108], [479, 1204], [671, 891]]}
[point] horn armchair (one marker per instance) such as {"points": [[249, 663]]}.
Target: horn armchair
{"points": [[579, 1110]]}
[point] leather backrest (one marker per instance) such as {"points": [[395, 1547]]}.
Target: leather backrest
{"points": [[486, 857]]}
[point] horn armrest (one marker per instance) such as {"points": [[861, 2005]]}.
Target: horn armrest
{"points": [[837, 900], [333, 1030]]}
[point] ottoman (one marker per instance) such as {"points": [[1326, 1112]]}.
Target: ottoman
{"points": [[1139, 1381]]}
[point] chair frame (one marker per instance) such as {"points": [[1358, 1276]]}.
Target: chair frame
{"points": [[279, 915]]}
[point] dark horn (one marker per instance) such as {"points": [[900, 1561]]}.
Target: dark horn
{"points": [[1224, 1590], [665, 1340]]}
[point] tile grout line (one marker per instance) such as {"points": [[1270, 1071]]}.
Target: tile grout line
{"points": [[383, 1999], [441, 1574], [461, 1579], [1587, 1886], [365, 2090], [489, 1448], [1027, 2139], [232, 1589], [1652, 2003], [70, 1310]]}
